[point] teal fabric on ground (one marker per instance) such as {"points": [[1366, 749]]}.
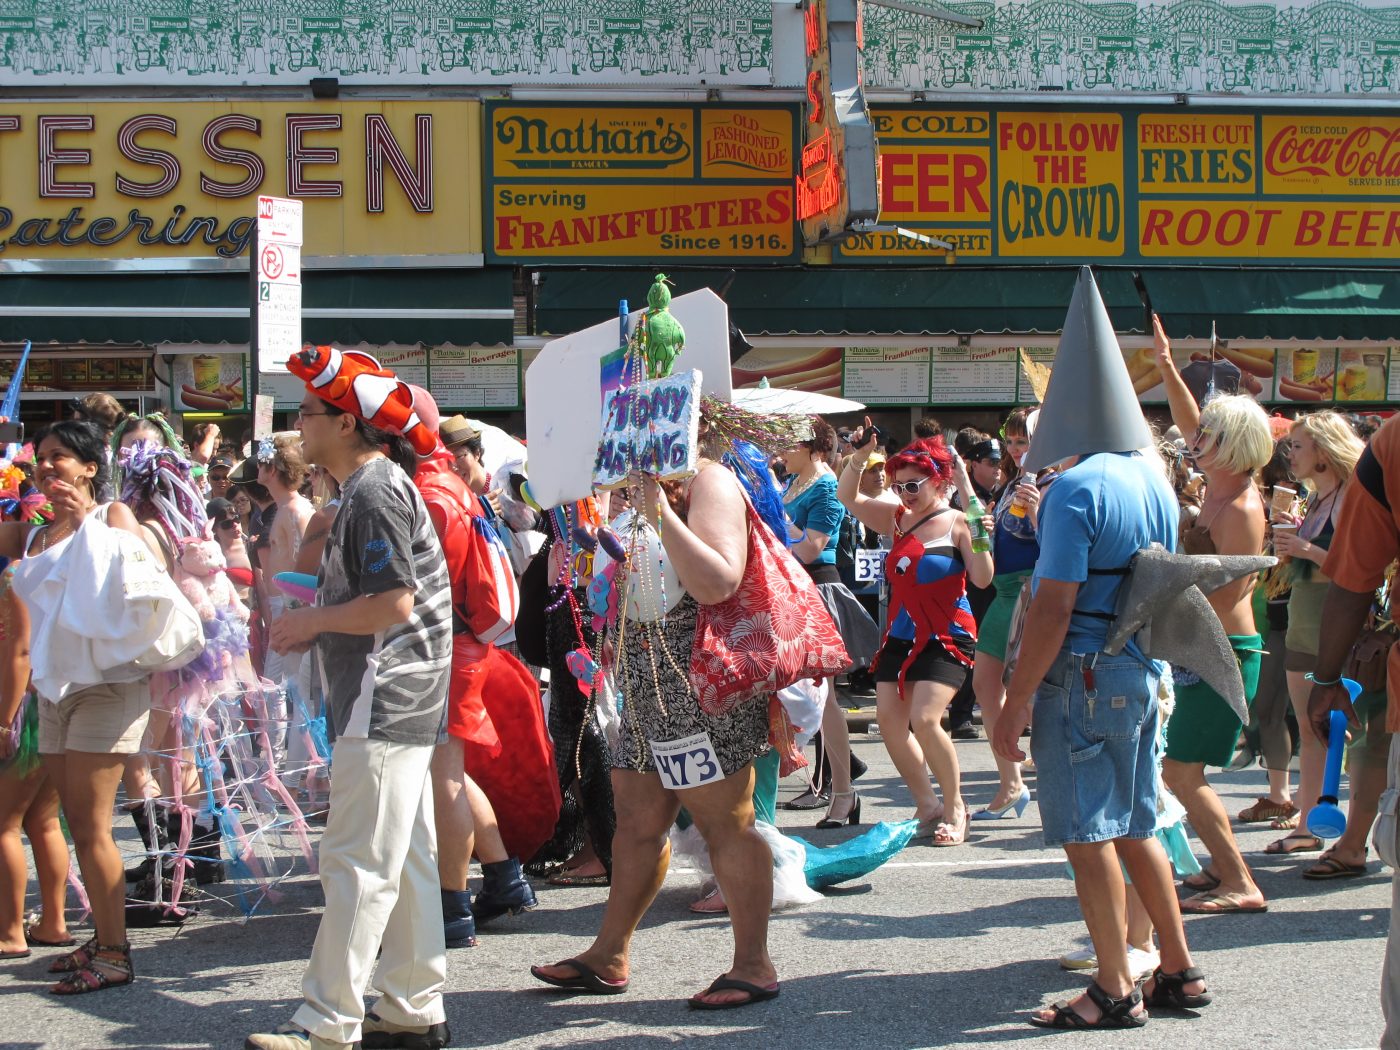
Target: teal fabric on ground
{"points": [[765, 791], [765, 786]]}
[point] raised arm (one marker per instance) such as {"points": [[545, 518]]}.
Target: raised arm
{"points": [[1186, 414], [872, 513]]}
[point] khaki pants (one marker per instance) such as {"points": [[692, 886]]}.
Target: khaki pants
{"points": [[1387, 839], [379, 873]]}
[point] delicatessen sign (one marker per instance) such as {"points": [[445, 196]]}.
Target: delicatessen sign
{"points": [[675, 183], [1138, 185], [159, 180]]}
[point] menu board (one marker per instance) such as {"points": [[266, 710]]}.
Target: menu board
{"points": [[964, 375], [476, 377], [285, 388], [409, 363], [1040, 355], [883, 376], [1305, 373], [1361, 373]]}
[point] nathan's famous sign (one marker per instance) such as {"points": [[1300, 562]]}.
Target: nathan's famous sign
{"points": [[1139, 185], [683, 183], [161, 180]]}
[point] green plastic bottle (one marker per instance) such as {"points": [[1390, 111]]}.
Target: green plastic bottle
{"points": [[981, 542]]}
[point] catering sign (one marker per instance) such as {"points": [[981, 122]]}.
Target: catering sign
{"points": [[679, 183], [1138, 185], [178, 182]]}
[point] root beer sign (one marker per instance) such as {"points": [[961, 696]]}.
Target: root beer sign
{"points": [[679, 183], [1137, 185]]}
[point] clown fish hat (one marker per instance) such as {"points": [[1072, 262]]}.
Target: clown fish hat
{"points": [[356, 383]]}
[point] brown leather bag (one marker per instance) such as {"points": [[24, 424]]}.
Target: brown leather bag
{"points": [[1367, 661]]}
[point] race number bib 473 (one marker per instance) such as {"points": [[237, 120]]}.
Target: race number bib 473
{"points": [[686, 763]]}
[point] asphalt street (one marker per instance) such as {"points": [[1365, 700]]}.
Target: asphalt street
{"points": [[941, 947]]}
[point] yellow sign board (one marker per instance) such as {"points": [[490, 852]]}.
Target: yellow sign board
{"points": [[1276, 229], [1196, 154], [609, 221], [1060, 183], [1330, 155], [1140, 184], [624, 183], [179, 180]]}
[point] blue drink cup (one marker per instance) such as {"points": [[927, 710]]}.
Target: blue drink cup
{"points": [[1326, 819]]}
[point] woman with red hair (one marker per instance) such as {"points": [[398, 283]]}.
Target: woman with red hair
{"points": [[928, 647]]}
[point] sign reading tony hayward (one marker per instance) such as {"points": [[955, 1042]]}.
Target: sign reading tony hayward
{"points": [[837, 181], [680, 183]]}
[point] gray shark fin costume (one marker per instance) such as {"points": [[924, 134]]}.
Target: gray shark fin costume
{"points": [[1090, 407]]}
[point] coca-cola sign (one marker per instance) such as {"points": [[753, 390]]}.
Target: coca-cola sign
{"points": [[1331, 155]]}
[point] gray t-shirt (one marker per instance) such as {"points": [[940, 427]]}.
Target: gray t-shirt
{"points": [[393, 685]]}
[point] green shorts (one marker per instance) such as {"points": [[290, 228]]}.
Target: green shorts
{"points": [[1370, 747], [994, 632], [1203, 729]]}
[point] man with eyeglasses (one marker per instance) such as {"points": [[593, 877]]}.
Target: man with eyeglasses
{"points": [[382, 631]]}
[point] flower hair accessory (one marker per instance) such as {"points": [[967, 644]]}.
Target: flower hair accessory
{"points": [[266, 451], [356, 383]]}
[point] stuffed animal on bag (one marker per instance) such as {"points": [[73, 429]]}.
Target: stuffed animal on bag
{"points": [[200, 574]]}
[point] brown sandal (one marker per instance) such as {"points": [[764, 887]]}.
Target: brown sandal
{"points": [[95, 976], [76, 959], [1265, 808], [1288, 823]]}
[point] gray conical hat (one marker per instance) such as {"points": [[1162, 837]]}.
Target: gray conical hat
{"points": [[1090, 405], [1163, 603]]}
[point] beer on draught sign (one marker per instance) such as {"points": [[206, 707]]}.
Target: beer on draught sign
{"points": [[838, 179]]}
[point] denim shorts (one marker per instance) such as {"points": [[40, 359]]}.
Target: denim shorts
{"points": [[1096, 751]]}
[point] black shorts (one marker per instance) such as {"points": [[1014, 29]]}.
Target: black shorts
{"points": [[934, 664]]}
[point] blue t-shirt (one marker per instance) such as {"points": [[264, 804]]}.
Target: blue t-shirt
{"points": [[1097, 515], [817, 508]]}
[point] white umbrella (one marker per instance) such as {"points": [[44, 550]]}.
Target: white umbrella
{"points": [[497, 447], [784, 402]]}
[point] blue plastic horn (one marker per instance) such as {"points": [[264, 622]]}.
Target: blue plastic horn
{"points": [[1326, 819]]}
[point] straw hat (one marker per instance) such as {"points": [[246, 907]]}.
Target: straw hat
{"points": [[455, 430]]}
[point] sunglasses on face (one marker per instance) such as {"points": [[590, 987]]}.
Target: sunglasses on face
{"points": [[226, 523], [908, 488]]}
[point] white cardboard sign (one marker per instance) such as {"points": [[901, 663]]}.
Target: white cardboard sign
{"points": [[563, 399]]}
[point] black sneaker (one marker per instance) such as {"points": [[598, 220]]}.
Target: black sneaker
{"points": [[379, 1034], [965, 731]]}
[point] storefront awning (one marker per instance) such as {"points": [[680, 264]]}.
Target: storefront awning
{"points": [[460, 306], [1276, 304], [931, 301]]}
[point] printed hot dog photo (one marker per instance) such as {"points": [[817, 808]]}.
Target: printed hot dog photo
{"points": [[208, 382], [1306, 374]]}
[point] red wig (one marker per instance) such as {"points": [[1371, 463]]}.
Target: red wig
{"points": [[931, 457]]}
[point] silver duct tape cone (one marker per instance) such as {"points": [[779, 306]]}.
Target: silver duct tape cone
{"points": [[1090, 405]]}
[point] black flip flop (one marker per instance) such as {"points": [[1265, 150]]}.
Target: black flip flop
{"points": [[756, 994], [1332, 868], [588, 980], [23, 953], [39, 942]]}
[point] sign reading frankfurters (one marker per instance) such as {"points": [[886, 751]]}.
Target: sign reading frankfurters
{"points": [[1137, 185], [159, 180], [680, 183]]}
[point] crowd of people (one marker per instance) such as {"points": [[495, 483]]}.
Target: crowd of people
{"points": [[378, 616]]}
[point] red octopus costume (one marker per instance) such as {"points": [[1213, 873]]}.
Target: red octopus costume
{"points": [[493, 703]]}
